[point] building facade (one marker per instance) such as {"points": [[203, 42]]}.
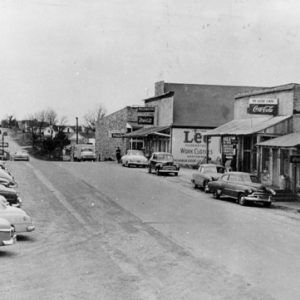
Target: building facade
{"points": [[111, 129], [184, 113], [262, 138]]}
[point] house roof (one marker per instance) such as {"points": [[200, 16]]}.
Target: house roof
{"points": [[246, 126], [146, 131], [285, 141]]}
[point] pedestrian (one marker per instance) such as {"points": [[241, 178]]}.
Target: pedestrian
{"points": [[118, 155]]}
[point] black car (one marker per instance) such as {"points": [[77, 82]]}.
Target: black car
{"points": [[163, 162], [243, 187]]}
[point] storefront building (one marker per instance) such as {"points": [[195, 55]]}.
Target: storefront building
{"points": [[184, 113], [261, 138], [111, 129]]}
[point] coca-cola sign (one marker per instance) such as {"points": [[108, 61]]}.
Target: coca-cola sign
{"points": [[263, 109]]}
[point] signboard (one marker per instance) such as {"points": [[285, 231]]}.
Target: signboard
{"points": [[229, 146], [145, 120], [295, 159], [263, 106], [3, 144], [146, 109], [117, 134], [189, 146]]}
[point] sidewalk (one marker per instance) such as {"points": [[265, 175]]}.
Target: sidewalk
{"points": [[186, 175]]}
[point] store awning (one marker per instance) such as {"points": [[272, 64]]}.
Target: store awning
{"points": [[246, 126], [286, 141], [144, 132]]}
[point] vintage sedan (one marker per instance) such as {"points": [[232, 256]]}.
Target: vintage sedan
{"points": [[17, 217], [11, 196], [205, 174], [7, 233], [134, 158], [20, 155], [243, 187], [163, 162]]}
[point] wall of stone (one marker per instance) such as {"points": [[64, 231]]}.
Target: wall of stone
{"points": [[110, 125]]}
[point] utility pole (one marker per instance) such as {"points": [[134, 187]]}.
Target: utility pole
{"points": [[76, 130]]}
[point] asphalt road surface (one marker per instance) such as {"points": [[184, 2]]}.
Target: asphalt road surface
{"points": [[108, 232]]}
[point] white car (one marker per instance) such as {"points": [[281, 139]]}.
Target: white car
{"points": [[7, 234], [134, 158], [17, 217]]}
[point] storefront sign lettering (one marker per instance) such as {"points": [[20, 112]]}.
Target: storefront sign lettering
{"points": [[197, 138], [189, 146], [262, 109], [146, 109], [146, 120], [295, 159]]}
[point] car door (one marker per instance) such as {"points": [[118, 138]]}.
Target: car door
{"points": [[231, 185], [198, 176]]}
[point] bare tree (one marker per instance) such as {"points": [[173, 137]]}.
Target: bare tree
{"points": [[63, 121], [92, 117], [51, 116]]}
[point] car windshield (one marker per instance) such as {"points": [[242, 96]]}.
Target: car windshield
{"points": [[135, 152], [213, 169], [164, 157], [86, 149]]}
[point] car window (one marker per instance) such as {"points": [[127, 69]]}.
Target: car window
{"points": [[220, 170], [234, 178], [135, 152], [200, 170], [254, 179], [164, 156]]}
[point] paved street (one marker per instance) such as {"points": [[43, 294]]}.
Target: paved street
{"points": [[108, 232]]}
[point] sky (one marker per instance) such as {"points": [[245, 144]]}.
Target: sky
{"points": [[72, 55]]}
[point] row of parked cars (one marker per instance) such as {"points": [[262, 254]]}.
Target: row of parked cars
{"points": [[159, 162], [241, 186], [13, 219]]}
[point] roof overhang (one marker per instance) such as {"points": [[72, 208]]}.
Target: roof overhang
{"points": [[144, 132], [246, 126], [291, 140]]}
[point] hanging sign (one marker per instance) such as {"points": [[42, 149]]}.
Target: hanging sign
{"points": [[146, 120]]}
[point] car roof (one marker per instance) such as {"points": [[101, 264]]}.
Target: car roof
{"points": [[240, 173], [209, 165], [161, 153]]}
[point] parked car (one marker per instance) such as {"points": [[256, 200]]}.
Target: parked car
{"points": [[20, 155], [163, 162], [17, 217], [243, 187], [7, 179], [7, 233], [134, 158], [205, 174], [11, 196]]}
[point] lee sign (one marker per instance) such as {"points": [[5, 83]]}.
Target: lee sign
{"points": [[189, 146]]}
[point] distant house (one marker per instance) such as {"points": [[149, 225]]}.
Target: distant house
{"points": [[49, 131]]}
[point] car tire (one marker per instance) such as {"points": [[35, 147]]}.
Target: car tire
{"points": [[205, 186], [241, 199], [176, 173], [216, 194], [267, 204]]}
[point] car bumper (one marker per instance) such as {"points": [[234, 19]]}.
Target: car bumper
{"points": [[11, 241], [251, 198], [168, 170]]}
